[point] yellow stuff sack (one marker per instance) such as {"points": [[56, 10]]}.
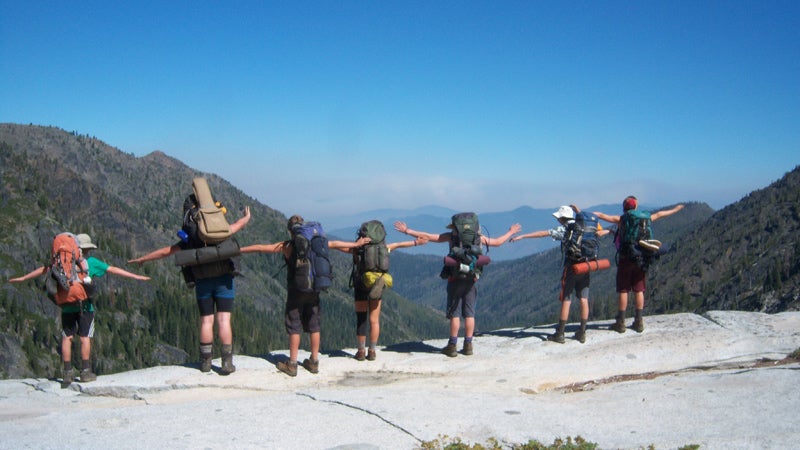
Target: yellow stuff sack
{"points": [[370, 278]]}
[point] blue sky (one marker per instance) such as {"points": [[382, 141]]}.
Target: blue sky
{"points": [[321, 108]]}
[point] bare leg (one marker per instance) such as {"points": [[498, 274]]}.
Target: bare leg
{"points": [[224, 328]]}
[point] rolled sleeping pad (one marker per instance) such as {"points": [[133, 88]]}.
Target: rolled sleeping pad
{"points": [[590, 266], [480, 262], [192, 257]]}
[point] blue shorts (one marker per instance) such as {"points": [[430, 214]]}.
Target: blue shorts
{"points": [[216, 291]]}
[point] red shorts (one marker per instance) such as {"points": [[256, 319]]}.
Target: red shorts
{"points": [[630, 277]]}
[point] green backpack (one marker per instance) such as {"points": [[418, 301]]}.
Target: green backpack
{"points": [[372, 257], [465, 245]]}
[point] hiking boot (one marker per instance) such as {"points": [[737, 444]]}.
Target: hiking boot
{"points": [[288, 367], [87, 375], [227, 366], [67, 376], [638, 325], [580, 336], [467, 350], [619, 326], [360, 355], [371, 354], [205, 364], [558, 337], [227, 361], [311, 366], [450, 350]]}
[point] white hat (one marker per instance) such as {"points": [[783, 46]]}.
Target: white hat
{"points": [[84, 241], [564, 212]]}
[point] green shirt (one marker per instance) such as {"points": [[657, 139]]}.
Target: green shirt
{"points": [[97, 269]]}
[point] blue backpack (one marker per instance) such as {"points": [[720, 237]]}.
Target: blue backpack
{"points": [[312, 271], [580, 241]]}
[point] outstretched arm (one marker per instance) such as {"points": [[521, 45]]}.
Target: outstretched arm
{"points": [[533, 235], [346, 246], [33, 274], [239, 224], [606, 217], [156, 254], [403, 228], [665, 213], [126, 274], [495, 242], [404, 244], [277, 247]]}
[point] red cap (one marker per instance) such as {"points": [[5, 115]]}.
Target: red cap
{"points": [[629, 203]]}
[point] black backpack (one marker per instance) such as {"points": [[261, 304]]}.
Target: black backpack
{"points": [[580, 240]]}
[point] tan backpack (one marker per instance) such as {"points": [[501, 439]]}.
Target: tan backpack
{"points": [[212, 226]]}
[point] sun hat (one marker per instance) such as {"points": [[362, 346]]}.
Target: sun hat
{"points": [[564, 212], [84, 241]]}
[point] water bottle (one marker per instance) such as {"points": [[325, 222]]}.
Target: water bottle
{"points": [[184, 237]]}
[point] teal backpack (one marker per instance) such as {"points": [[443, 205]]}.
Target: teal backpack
{"points": [[635, 226]]}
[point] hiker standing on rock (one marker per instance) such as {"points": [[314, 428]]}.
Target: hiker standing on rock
{"points": [[303, 279], [213, 279], [369, 278], [463, 267], [78, 317], [636, 249], [578, 234]]}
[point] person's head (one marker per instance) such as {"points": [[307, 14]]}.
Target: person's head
{"points": [[629, 203], [189, 202], [85, 243], [294, 220], [564, 214]]}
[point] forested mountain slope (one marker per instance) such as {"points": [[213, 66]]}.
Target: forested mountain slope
{"points": [[745, 257], [52, 180]]}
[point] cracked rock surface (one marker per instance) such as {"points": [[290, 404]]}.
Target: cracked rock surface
{"points": [[719, 380]]}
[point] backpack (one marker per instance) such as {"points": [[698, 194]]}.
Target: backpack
{"points": [[372, 257], [635, 226], [67, 271], [370, 261], [465, 245], [204, 219], [311, 266], [580, 241]]}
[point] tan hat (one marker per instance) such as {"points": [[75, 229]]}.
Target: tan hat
{"points": [[84, 241]]}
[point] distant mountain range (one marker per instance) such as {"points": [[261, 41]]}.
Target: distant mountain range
{"points": [[745, 256], [433, 219]]}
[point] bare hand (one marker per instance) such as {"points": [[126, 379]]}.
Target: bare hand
{"points": [[401, 227]]}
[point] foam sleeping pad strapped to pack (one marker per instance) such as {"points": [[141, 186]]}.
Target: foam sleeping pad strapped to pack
{"points": [[590, 266], [227, 249]]}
